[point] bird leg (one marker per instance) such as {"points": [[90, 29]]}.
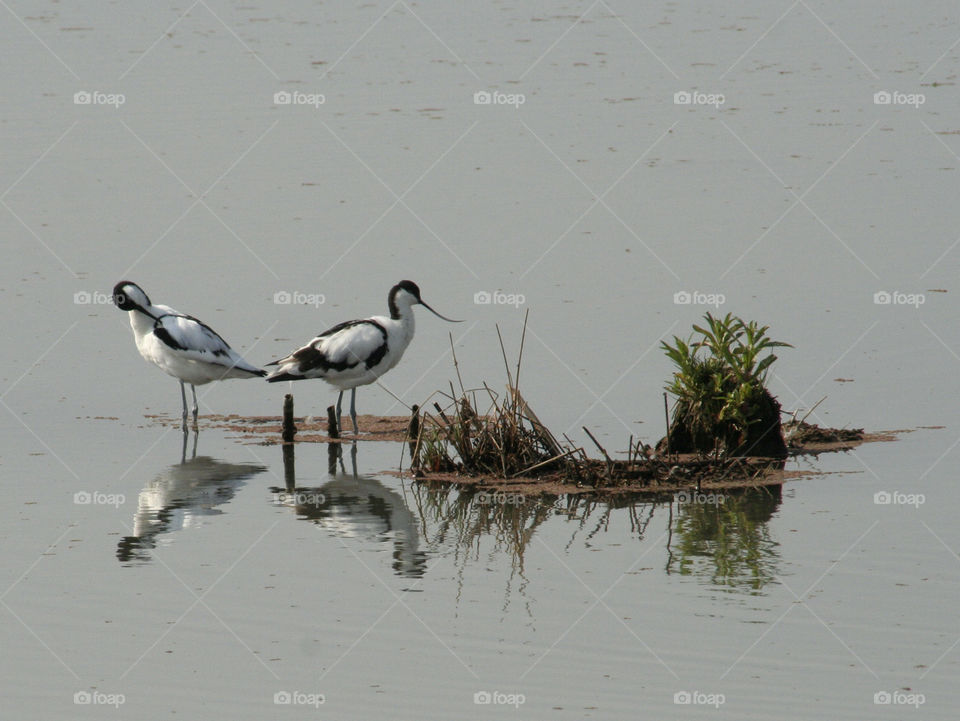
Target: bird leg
{"points": [[194, 389], [339, 402], [183, 395], [353, 410]]}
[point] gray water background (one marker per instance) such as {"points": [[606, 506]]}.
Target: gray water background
{"points": [[598, 199]]}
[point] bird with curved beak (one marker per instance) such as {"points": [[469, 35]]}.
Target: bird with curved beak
{"points": [[357, 352], [180, 345]]}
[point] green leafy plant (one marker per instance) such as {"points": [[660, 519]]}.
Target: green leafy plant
{"points": [[723, 405]]}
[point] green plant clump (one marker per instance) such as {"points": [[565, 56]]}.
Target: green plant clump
{"points": [[723, 406]]}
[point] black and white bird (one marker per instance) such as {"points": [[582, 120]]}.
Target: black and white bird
{"points": [[357, 352], [180, 345]]}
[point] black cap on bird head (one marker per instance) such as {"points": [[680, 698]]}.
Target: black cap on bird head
{"points": [[410, 287], [127, 295]]}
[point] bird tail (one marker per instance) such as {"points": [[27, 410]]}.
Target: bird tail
{"points": [[238, 371], [282, 375], [244, 367]]}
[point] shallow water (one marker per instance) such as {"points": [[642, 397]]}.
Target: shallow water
{"points": [[212, 582]]}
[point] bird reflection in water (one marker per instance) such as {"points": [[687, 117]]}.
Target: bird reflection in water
{"points": [[180, 497], [357, 507]]}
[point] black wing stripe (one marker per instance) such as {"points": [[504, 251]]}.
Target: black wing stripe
{"points": [[164, 335], [377, 356], [342, 326], [310, 357], [210, 331]]}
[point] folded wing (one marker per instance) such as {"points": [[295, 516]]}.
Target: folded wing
{"points": [[357, 344], [194, 340]]}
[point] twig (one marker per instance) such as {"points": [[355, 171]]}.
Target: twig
{"points": [[542, 431], [573, 445], [602, 450], [493, 396], [523, 337], [503, 351], [442, 414], [543, 463], [812, 409], [666, 415], [456, 366]]}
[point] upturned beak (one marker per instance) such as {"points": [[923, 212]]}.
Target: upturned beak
{"points": [[449, 320]]}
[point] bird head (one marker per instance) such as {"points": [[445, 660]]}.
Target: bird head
{"points": [[406, 293], [130, 296]]}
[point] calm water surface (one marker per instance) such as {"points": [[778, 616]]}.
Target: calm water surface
{"points": [[143, 579]]}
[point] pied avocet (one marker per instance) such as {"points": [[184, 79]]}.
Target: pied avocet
{"points": [[357, 352], [180, 345]]}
